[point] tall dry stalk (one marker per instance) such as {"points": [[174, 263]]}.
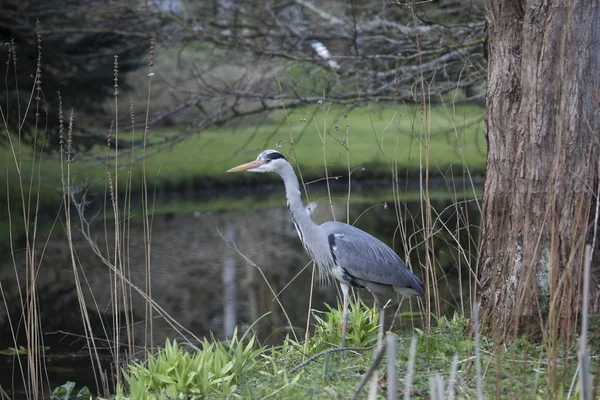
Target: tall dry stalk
{"points": [[429, 250], [67, 190], [148, 214], [29, 187], [119, 256], [323, 138], [113, 184]]}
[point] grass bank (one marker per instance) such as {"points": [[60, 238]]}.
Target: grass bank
{"points": [[447, 363], [377, 140]]}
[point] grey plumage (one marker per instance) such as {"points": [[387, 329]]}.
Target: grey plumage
{"points": [[341, 251], [370, 262]]}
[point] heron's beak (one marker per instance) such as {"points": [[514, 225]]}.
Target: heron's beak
{"points": [[247, 166]]}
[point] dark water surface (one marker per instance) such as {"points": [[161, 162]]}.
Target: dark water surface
{"points": [[203, 276]]}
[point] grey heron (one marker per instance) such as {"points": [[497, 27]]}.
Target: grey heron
{"points": [[342, 251]]}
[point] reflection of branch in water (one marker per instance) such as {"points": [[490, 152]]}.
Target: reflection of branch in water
{"points": [[233, 246], [228, 276], [85, 230]]}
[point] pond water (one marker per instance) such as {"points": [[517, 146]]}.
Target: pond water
{"points": [[211, 257]]}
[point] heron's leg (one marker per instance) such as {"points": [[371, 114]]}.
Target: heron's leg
{"points": [[381, 320], [345, 290]]}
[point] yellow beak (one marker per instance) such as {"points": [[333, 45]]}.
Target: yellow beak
{"points": [[245, 167]]}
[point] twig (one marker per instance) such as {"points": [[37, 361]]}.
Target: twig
{"points": [[585, 382], [310, 297], [234, 247], [373, 388], [86, 231], [436, 386], [376, 360], [477, 352], [292, 280], [329, 178], [411, 368], [313, 358], [4, 394], [452, 379], [276, 391], [392, 381]]}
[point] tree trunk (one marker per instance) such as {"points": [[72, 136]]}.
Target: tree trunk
{"points": [[542, 128]]}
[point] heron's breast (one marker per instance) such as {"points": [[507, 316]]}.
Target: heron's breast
{"points": [[338, 273], [342, 275]]}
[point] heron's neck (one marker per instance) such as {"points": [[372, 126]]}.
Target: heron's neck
{"points": [[313, 237], [294, 197]]}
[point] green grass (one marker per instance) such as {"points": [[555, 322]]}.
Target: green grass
{"points": [[372, 143], [244, 369], [213, 151]]}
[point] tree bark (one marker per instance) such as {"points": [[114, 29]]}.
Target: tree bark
{"points": [[542, 128]]}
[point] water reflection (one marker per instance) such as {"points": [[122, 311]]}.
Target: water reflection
{"points": [[208, 272]]}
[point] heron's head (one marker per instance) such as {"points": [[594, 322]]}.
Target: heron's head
{"points": [[267, 161]]}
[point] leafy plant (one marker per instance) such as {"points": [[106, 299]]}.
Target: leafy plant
{"points": [[63, 392], [21, 351], [361, 330], [174, 372], [12, 351]]}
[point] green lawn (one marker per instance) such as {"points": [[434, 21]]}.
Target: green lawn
{"points": [[372, 143], [376, 138]]}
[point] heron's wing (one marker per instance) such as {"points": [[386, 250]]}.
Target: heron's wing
{"points": [[367, 258]]}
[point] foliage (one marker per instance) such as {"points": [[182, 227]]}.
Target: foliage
{"points": [[203, 159], [242, 370], [12, 351], [173, 371], [63, 392], [449, 339], [332, 376], [233, 61], [361, 331], [77, 60]]}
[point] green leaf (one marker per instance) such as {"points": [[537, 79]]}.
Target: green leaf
{"points": [[250, 345], [172, 392], [84, 393], [226, 368], [63, 392], [163, 378]]}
